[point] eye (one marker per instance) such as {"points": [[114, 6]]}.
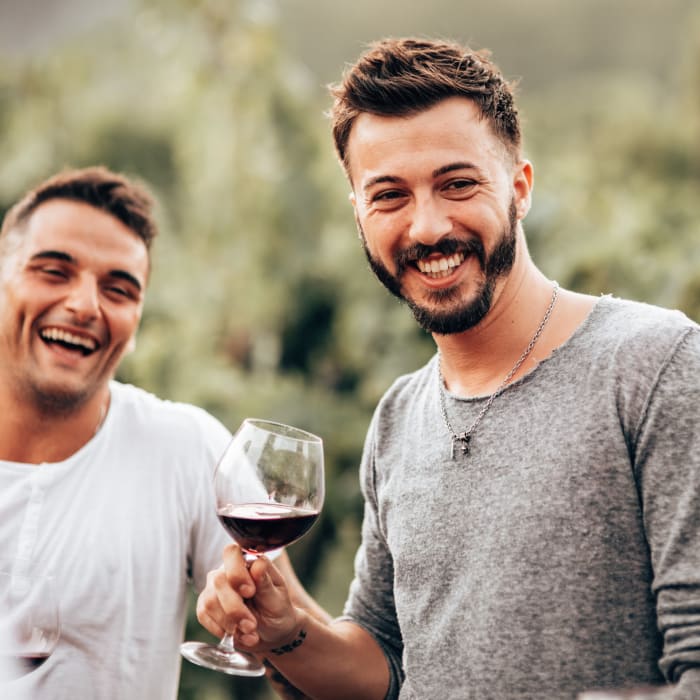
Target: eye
{"points": [[119, 292], [460, 186], [387, 199], [387, 194], [55, 272]]}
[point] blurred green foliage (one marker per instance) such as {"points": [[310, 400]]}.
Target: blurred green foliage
{"points": [[260, 303]]}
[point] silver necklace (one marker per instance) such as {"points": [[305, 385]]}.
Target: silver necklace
{"points": [[463, 439]]}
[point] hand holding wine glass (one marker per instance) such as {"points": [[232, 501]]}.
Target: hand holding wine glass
{"points": [[269, 487], [29, 621]]}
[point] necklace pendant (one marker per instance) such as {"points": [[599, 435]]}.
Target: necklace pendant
{"points": [[462, 442]]}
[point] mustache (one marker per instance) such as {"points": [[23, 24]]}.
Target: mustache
{"points": [[445, 246]]}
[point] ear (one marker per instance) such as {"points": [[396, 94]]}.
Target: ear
{"points": [[353, 201], [522, 187]]}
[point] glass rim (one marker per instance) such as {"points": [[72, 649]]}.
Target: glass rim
{"points": [[274, 427]]}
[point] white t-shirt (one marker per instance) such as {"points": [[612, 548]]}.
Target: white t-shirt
{"points": [[122, 525]]}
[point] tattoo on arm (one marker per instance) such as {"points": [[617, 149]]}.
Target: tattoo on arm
{"points": [[286, 648]]}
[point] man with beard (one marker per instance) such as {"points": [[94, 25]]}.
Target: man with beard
{"points": [[531, 527], [103, 486]]}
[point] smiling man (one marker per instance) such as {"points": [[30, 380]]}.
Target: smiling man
{"points": [[73, 278], [103, 486], [531, 525]]}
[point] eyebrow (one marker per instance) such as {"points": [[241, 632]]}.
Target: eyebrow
{"points": [[53, 255], [378, 179], [460, 165], [443, 170], [65, 257]]}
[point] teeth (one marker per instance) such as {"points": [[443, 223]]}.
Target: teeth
{"points": [[440, 267], [66, 337]]}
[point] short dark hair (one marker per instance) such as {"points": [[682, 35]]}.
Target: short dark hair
{"points": [[126, 199], [399, 77]]}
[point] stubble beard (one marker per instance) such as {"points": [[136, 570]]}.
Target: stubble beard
{"points": [[53, 401], [49, 397], [457, 317]]}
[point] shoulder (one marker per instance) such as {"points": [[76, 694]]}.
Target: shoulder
{"points": [[627, 327], [139, 411], [639, 316]]}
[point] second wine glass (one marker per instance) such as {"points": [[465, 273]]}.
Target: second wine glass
{"points": [[269, 487]]}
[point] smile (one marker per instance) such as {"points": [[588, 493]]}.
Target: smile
{"points": [[436, 268], [72, 341]]}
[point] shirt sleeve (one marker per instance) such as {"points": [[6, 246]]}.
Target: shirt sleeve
{"points": [[668, 469], [370, 602]]}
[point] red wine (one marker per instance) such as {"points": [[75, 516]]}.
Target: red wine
{"points": [[260, 527], [16, 666]]}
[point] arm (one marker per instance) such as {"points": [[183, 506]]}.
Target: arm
{"points": [[667, 462], [300, 598], [335, 661]]}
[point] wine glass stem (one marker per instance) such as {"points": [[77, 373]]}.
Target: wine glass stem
{"points": [[226, 643]]}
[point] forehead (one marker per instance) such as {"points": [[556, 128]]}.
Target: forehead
{"points": [[450, 131], [91, 236]]}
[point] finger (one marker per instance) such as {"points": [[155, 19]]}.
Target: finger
{"points": [[236, 570], [209, 610], [209, 623], [276, 577], [272, 603], [229, 602], [269, 583], [223, 606], [247, 640], [265, 575]]}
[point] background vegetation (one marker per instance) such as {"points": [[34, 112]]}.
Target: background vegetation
{"points": [[260, 302]]}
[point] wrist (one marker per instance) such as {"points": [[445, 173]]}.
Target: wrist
{"points": [[292, 645], [295, 638]]}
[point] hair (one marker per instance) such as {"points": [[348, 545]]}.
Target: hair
{"points": [[400, 77], [127, 200]]}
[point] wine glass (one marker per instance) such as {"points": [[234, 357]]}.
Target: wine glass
{"points": [[269, 488], [29, 621]]}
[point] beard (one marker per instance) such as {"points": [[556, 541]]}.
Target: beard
{"points": [[458, 316], [55, 401]]}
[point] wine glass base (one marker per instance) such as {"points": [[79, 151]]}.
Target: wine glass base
{"points": [[209, 656]]}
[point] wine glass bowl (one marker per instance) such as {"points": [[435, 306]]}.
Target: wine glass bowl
{"points": [[269, 485], [29, 620], [269, 490]]}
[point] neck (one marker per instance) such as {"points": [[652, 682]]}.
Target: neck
{"points": [[33, 436], [476, 361]]}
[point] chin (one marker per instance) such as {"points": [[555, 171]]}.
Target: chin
{"points": [[457, 319], [59, 398]]}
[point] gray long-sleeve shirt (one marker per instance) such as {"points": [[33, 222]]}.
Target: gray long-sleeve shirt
{"points": [[561, 554]]}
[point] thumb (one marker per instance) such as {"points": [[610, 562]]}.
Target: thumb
{"points": [[270, 585], [272, 603], [260, 571]]}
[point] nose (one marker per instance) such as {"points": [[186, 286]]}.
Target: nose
{"points": [[82, 300], [430, 221]]}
